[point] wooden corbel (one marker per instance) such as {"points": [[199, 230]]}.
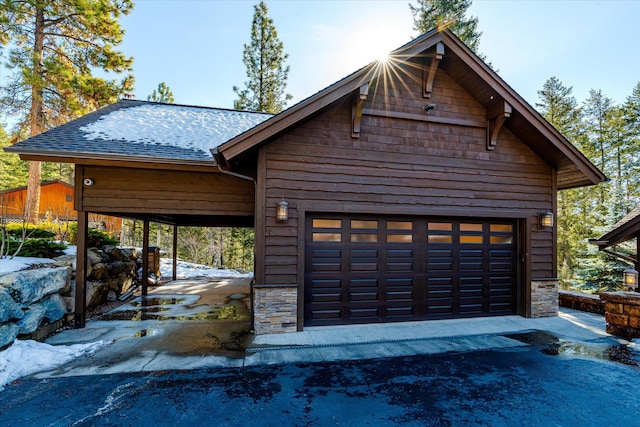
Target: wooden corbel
{"points": [[356, 109], [496, 116], [429, 74]]}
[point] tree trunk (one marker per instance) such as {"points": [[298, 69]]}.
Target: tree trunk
{"points": [[36, 117]]}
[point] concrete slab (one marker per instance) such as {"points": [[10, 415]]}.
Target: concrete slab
{"points": [[195, 324]]}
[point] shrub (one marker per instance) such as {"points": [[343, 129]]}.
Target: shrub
{"points": [[38, 248], [96, 238], [33, 232]]}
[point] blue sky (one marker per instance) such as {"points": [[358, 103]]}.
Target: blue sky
{"points": [[196, 46]]}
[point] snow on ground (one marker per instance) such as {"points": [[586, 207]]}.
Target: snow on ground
{"points": [[196, 128], [19, 263], [28, 357], [187, 270]]}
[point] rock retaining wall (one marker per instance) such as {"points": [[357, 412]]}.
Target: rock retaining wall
{"points": [[29, 298], [579, 301], [34, 299]]}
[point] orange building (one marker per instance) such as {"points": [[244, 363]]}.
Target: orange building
{"points": [[56, 204]]}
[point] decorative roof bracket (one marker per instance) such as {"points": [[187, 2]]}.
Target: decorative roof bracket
{"points": [[356, 109], [430, 74], [497, 114]]}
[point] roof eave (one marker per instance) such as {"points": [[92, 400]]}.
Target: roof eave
{"points": [[592, 174], [87, 158]]}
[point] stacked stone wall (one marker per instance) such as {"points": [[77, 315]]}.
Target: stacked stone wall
{"points": [[275, 309], [544, 298], [622, 313]]}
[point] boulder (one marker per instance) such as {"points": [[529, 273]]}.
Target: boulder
{"points": [[129, 253], [54, 307], [29, 286], [96, 293], [126, 285], [32, 319], [99, 272], [8, 308], [65, 261], [69, 304], [94, 256], [8, 333], [113, 252]]}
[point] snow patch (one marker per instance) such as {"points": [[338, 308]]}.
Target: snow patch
{"points": [[187, 270], [198, 129], [8, 265], [28, 357]]}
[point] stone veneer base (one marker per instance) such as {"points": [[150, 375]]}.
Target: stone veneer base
{"points": [[275, 309], [544, 298]]}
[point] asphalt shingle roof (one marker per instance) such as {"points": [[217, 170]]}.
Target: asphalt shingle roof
{"points": [[139, 129]]}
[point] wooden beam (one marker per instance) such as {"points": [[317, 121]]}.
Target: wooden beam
{"points": [[424, 118], [357, 108], [428, 75], [497, 114], [145, 257], [81, 270]]}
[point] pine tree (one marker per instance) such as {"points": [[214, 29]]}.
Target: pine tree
{"points": [[55, 47], [13, 171], [161, 94], [264, 59], [441, 14], [560, 108]]}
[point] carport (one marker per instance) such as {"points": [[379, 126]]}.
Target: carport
{"points": [[149, 162]]}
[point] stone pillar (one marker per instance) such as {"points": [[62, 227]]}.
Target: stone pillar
{"points": [[544, 297], [275, 309], [622, 312]]}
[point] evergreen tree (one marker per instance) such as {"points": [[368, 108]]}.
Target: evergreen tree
{"points": [[441, 14], [264, 59], [631, 111], [55, 47], [13, 171], [161, 94], [560, 108]]}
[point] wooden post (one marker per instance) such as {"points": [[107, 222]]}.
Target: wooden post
{"points": [[638, 252], [81, 270], [175, 251], [145, 257]]}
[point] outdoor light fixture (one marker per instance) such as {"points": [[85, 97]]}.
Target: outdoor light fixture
{"points": [[282, 211], [88, 182], [630, 278], [545, 219]]}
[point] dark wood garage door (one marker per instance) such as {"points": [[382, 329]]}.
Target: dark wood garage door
{"points": [[372, 269]]}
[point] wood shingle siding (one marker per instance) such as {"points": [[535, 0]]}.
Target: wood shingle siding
{"points": [[402, 167]]}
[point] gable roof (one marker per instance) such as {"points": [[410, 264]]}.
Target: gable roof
{"points": [[42, 184], [473, 75], [143, 131], [625, 229]]}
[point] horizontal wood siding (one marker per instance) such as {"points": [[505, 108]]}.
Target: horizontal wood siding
{"points": [[402, 166], [165, 192]]}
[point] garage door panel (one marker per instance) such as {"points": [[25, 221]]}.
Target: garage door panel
{"points": [[399, 313], [372, 269]]}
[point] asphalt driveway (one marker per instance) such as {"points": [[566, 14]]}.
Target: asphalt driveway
{"points": [[545, 381]]}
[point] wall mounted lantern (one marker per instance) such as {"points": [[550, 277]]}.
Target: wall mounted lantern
{"points": [[545, 220], [630, 278], [282, 211]]}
